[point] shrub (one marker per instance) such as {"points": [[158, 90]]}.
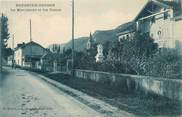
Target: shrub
{"points": [[165, 63]]}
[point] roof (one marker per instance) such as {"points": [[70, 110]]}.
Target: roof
{"points": [[32, 43], [52, 56], [29, 43], [170, 3], [130, 26], [152, 4]]}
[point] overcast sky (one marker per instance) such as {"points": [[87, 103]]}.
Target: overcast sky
{"points": [[55, 26]]}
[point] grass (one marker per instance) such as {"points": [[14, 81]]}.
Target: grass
{"points": [[136, 103]]}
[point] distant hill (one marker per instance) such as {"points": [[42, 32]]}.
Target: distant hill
{"points": [[125, 27], [80, 44], [104, 36], [100, 36]]}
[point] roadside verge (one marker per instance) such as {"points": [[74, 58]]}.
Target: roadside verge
{"points": [[106, 109]]}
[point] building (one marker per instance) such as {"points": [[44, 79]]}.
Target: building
{"points": [[126, 31], [90, 43], [126, 35], [28, 55], [10, 60], [162, 20], [53, 62]]}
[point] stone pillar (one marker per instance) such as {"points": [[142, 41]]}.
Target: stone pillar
{"points": [[68, 66], [55, 66]]}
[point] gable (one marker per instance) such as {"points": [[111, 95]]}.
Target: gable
{"points": [[151, 7], [33, 48]]}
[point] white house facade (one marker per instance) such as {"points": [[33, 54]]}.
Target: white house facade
{"points": [[162, 21], [29, 55]]}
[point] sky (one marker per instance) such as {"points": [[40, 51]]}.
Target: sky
{"points": [[54, 25]]}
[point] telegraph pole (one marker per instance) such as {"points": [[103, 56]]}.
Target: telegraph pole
{"points": [[13, 57], [1, 65], [73, 23], [30, 30], [30, 41], [13, 37]]}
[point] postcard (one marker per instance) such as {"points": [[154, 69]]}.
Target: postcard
{"points": [[90, 58]]}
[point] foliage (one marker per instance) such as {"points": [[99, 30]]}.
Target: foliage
{"points": [[56, 48], [4, 29], [139, 55], [7, 52], [131, 55], [4, 34], [166, 63]]}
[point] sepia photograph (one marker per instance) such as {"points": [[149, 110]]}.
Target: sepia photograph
{"points": [[90, 58]]}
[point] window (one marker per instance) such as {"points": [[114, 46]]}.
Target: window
{"points": [[127, 36], [120, 38], [137, 26], [165, 15], [159, 33], [153, 19], [152, 35]]}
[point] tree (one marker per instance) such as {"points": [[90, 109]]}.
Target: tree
{"points": [[4, 34], [131, 55], [59, 49], [166, 63], [138, 50]]}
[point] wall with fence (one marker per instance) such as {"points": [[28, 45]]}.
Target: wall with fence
{"points": [[170, 88]]}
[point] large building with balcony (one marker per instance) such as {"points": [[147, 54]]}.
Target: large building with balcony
{"points": [[162, 20]]}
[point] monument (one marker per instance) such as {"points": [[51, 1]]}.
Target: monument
{"points": [[99, 57]]}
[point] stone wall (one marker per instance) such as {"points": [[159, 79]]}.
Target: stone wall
{"points": [[170, 88]]}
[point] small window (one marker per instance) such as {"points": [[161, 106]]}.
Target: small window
{"points": [[127, 36], [165, 15], [152, 35], [159, 33], [120, 38], [137, 26]]}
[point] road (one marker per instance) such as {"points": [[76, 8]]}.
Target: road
{"points": [[23, 94]]}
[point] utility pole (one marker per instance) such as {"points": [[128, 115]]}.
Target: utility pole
{"points": [[30, 30], [1, 65], [73, 23], [13, 57], [30, 45], [13, 37]]}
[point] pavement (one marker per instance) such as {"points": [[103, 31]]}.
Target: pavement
{"points": [[23, 94]]}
